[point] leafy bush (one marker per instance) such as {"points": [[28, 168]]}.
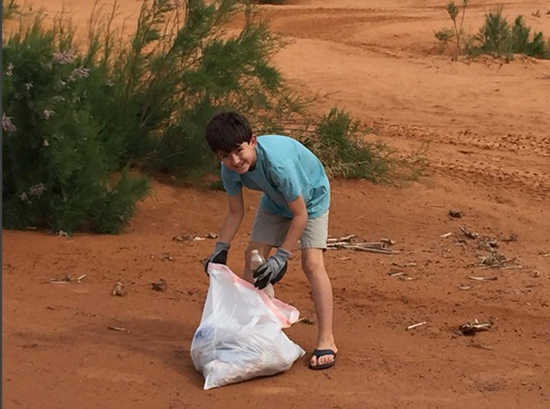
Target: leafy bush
{"points": [[76, 122], [79, 117], [494, 35], [520, 36], [444, 36], [340, 142], [453, 12], [9, 9], [56, 169], [179, 69], [497, 37]]}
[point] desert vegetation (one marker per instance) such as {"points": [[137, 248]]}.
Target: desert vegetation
{"points": [[79, 118], [496, 37]]}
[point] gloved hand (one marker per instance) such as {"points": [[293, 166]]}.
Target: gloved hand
{"points": [[273, 269], [218, 256]]}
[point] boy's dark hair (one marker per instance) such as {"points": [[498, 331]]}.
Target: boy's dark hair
{"points": [[227, 130]]}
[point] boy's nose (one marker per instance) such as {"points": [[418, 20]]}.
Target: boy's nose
{"points": [[234, 159]]}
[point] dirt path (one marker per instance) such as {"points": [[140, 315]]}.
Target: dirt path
{"points": [[489, 156]]}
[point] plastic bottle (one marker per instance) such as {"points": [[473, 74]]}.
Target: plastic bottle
{"points": [[255, 262]]}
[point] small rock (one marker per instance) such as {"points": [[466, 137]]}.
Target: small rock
{"points": [[159, 285], [119, 290], [455, 214], [184, 237], [167, 257]]}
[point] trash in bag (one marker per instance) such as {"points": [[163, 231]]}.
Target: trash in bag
{"points": [[240, 336]]}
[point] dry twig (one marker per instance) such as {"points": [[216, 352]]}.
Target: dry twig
{"points": [[347, 242], [419, 324], [400, 275], [485, 242], [474, 326], [347, 239], [482, 278], [64, 280], [118, 329]]}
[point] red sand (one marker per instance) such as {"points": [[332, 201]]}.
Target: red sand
{"points": [[487, 127]]}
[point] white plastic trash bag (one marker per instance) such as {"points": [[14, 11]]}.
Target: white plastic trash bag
{"points": [[240, 336]]}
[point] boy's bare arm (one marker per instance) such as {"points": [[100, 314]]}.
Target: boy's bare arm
{"points": [[299, 211], [233, 219]]}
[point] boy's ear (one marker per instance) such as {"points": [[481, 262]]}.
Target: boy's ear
{"points": [[253, 140]]}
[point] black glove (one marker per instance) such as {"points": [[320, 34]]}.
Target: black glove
{"points": [[273, 269], [218, 256]]}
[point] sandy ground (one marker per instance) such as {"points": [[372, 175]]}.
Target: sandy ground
{"points": [[486, 124]]}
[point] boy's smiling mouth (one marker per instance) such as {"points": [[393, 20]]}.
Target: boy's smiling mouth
{"points": [[240, 167]]}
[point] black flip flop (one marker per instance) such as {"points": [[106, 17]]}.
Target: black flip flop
{"points": [[318, 353]]}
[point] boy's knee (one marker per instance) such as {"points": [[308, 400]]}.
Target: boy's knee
{"points": [[312, 265]]}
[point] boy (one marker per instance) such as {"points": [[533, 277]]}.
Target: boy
{"points": [[294, 205]]}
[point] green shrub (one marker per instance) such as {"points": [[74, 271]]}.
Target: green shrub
{"points": [[56, 169], [453, 12], [75, 122], [495, 34], [444, 36], [497, 37], [9, 9], [538, 48], [520, 36], [79, 117], [117, 205], [180, 68], [340, 142]]}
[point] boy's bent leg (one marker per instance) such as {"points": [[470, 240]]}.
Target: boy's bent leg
{"points": [[321, 290], [263, 249]]}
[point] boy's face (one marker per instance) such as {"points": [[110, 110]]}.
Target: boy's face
{"points": [[242, 159]]}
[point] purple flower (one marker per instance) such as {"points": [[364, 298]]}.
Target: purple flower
{"points": [[57, 98], [63, 57], [79, 72], [37, 190], [48, 113], [7, 125]]}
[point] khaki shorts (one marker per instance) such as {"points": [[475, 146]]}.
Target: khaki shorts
{"points": [[269, 228]]}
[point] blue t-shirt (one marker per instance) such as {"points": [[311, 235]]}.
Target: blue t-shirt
{"points": [[285, 169]]}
